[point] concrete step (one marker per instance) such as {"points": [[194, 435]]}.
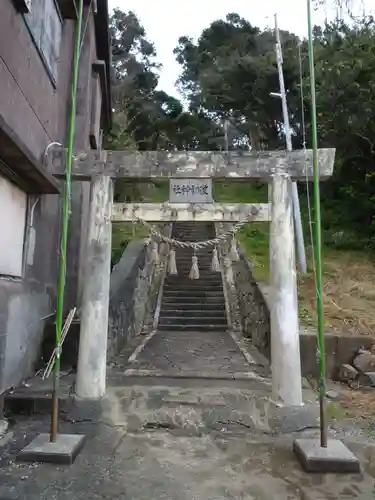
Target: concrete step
{"points": [[175, 289], [187, 258], [199, 293], [182, 259], [203, 314], [180, 297], [193, 306], [194, 229], [209, 277], [193, 328], [187, 252], [204, 256], [192, 320], [192, 291], [186, 281], [204, 267], [195, 285], [204, 276], [173, 298], [204, 270], [189, 283]]}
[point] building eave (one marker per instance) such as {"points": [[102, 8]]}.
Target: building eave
{"points": [[23, 168]]}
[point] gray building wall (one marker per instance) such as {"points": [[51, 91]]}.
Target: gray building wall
{"points": [[34, 113]]}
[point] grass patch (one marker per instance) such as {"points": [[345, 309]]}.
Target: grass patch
{"points": [[254, 238], [125, 232], [157, 193], [334, 412], [122, 234], [224, 192], [348, 293]]}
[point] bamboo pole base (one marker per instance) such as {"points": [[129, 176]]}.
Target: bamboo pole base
{"points": [[63, 450], [334, 458]]}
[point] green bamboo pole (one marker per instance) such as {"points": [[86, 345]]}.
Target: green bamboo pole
{"points": [[65, 224], [318, 237]]}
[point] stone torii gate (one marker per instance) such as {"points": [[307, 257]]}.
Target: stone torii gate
{"points": [[277, 168]]}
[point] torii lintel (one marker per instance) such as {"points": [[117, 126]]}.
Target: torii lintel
{"points": [[235, 166]]}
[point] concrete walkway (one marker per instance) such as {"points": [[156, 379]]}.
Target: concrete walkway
{"points": [[189, 417], [215, 354], [181, 444]]}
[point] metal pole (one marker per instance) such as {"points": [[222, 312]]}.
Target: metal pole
{"points": [[288, 137], [318, 238]]}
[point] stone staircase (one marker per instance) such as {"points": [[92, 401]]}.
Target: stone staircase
{"points": [[195, 305]]}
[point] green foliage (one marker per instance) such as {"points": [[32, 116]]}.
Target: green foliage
{"points": [[122, 234], [231, 71], [346, 107], [147, 118]]}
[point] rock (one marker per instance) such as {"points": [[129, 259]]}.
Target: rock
{"points": [[331, 394], [365, 362], [363, 380], [367, 379], [347, 373]]}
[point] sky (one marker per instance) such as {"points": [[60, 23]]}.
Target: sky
{"points": [[166, 20]]}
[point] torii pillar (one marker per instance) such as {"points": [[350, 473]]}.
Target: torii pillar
{"points": [[92, 359], [285, 345], [278, 167]]}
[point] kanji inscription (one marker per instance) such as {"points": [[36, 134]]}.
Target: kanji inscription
{"points": [[190, 190]]}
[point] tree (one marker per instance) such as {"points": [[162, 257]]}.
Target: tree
{"points": [[231, 71], [147, 118], [134, 81]]}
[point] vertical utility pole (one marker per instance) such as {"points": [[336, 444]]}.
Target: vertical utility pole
{"points": [[296, 206]]}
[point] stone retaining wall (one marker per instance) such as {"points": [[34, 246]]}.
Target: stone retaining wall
{"points": [[254, 312], [135, 284], [246, 307], [229, 288], [340, 349]]}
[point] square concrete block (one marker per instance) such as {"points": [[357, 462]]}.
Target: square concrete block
{"points": [[63, 451], [335, 458]]}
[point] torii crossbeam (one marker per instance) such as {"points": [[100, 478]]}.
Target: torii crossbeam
{"points": [[164, 165], [278, 168]]}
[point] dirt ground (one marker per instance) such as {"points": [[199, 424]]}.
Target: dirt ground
{"points": [[349, 294]]}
